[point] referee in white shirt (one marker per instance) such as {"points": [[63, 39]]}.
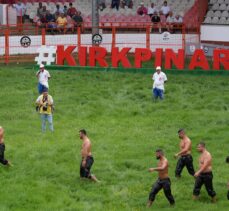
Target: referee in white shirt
{"points": [[43, 77], [159, 79]]}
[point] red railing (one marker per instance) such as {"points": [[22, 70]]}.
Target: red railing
{"points": [[8, 46]]}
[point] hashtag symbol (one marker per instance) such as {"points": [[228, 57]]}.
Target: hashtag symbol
{"points": [[46, 54]]}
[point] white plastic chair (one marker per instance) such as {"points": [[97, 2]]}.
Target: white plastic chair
{"points": [[217, 14], [220, 1], [213, 1], [223, 7], [208, 20], [222, 20], [210, 13], [215, 7], [215, 20], [225, 14]]}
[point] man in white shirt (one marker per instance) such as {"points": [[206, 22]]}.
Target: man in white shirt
{"points": [[43, 77], [159, 79], [20, 10], [165, 9], [178, 19], [151, 10]]}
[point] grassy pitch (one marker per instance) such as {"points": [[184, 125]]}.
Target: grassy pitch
{"points": [[125, 127]]}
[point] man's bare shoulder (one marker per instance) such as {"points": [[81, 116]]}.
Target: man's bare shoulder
{"points": [[165, 161], [208, 155], [87, 142], [187, 139]]}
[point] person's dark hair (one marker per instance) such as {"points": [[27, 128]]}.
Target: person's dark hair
{"points": [[70, 4], [160, 151], [180, 130], [227, 159], [45, 90], [83, 131], [202, 144]]}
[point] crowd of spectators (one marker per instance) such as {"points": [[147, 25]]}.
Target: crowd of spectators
{"points": [[66, 18], [164, 18], [63, 19]]}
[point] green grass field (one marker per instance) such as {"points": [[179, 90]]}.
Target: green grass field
{"points": [[125, 127]]}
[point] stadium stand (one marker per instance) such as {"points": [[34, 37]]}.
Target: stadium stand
{"points": [[108, 16], [218, 12]]}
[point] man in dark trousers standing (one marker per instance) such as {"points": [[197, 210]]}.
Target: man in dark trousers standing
{"points": [[87, 158], [163, 179], [204, 174], [185, 157]]}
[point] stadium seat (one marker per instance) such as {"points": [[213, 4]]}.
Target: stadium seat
{"points": [[222, 20], [220, 1], [210, 13], [207, 20], [223, 7], [215, 6], [225, 14], [227, 22], [217, 14], [215, 20], [213, 1]]}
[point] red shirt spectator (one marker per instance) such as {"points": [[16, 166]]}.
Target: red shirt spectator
{"points": [[142, 10], [71, 10]]}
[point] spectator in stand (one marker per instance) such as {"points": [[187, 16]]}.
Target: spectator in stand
{"points": [[155, 18], [61, 23], [115, 4], [65, 10], [71, 10], [142, 10], [165, 9], [170, 21], [127, 3], [78, 20], [178, 19], [102, 5], [163, 20], [42, 18], [20, 10], [58, 11], [70, 23], [151, 10], [50, 22], [39, 9]]}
